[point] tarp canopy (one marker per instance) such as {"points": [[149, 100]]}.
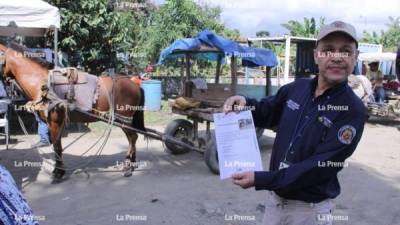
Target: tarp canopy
{"points": [[377, 56], [208, 45], [27, 17], [387, 61]]}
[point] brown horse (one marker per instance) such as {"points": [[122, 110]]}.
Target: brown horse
{"points": [[29, 73]]}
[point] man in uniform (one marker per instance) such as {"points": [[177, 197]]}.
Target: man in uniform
{"points": [[320, 122]]}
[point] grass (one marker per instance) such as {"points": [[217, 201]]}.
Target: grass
{"points": [[161, 117]]}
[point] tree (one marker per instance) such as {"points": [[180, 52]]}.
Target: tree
{"points": [[91, 33], [372, 38], [94, 32], [176, 19], [389, 39], [306, 29], [262, 33]]}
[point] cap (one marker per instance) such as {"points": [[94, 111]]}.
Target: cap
{"points": [[338, 26]]}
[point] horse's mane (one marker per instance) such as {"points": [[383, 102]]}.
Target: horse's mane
{"points": [[22, 49]]}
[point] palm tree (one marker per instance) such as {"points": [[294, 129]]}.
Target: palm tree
{"points": [[372, 38], [262, 33], [306, 29], [389, 39]]}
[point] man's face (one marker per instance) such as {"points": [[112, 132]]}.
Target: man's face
{"points": [[373, 67], [336, 56]]}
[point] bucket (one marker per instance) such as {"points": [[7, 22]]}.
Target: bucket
{"points": [[152, 94]]}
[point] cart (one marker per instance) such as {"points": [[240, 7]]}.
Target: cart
{"points": [[209, 46], [390, 108]]}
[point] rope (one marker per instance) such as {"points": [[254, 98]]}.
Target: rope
{"points": [[49, 161], [106, 134]]}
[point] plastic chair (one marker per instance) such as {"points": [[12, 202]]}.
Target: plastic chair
{"points": [[4, 119]]}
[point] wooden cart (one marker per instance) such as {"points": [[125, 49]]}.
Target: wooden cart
{"points": [[211, 101]]}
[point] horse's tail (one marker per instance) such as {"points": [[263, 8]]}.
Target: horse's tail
{"points": [[138, 117]]}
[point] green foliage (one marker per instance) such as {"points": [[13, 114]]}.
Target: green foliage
{"points": [[390, 39], [262, 33], [176, 19], [90, 33], [308, 28], [180, 19], [372, 38], [93, 32]]}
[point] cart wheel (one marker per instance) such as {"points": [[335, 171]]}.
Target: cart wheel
{"points": [[259, 132], [182, 130], [211, 155]]}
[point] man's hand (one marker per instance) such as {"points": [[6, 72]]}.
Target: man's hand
{"points": [[244, 180], [234, 103]]}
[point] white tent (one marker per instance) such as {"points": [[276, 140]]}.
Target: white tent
{"points": [[29, 18], [377, 56]]}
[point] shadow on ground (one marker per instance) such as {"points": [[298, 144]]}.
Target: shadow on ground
{"points": [[179, 189]]}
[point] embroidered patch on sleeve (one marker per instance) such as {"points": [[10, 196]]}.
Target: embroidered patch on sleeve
{"points": [[346, 134]]}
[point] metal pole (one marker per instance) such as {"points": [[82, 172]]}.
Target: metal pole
{"points": [[287, 60], [218, 69], [233, 75], [268, 92], [55, 47]]}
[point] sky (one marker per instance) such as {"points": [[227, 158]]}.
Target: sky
{"points": [[250, 16]]}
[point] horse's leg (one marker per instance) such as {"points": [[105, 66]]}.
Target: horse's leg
{"points": [[130, 159], [55, 125]]}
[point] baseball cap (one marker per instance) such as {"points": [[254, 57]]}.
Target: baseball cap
{"points": [[338, 26]]}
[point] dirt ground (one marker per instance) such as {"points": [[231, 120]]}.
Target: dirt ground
{"points": [[180, 190]]}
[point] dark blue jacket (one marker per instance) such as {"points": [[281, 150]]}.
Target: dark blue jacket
{"points": [[315, 134]]}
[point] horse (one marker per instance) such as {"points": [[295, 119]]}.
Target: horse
{"points": [[29, 74]]}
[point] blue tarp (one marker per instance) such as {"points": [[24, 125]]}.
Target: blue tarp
{"points": [[250, 56]]}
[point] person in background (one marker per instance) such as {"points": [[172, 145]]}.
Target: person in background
{"points": [[43, 132], [14, 210], [364, 69], [368, 95], [3, 104], [376, 77], [3, 93], [137, 79]]}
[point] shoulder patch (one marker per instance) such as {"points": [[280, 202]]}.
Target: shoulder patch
{"points": [[346, 134]]}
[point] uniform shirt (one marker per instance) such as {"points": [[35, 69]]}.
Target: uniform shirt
{"points": [[315, 134]]}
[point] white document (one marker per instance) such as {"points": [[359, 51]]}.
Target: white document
{"points": [[237, 143]]}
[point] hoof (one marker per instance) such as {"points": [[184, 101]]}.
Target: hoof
{"points": [[128, 173], [57, 178], [58, 175], [127, 170]]}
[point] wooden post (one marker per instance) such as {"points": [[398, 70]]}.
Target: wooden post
{"points": [[268, 90], [218, 69], [187, 86], [182, 91], [233, 75]]}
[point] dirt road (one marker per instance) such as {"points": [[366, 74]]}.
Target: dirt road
{"points": [[180, 190]]}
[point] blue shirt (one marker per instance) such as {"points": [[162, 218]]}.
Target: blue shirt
{"points": [[314, 137], [14, 210]]}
